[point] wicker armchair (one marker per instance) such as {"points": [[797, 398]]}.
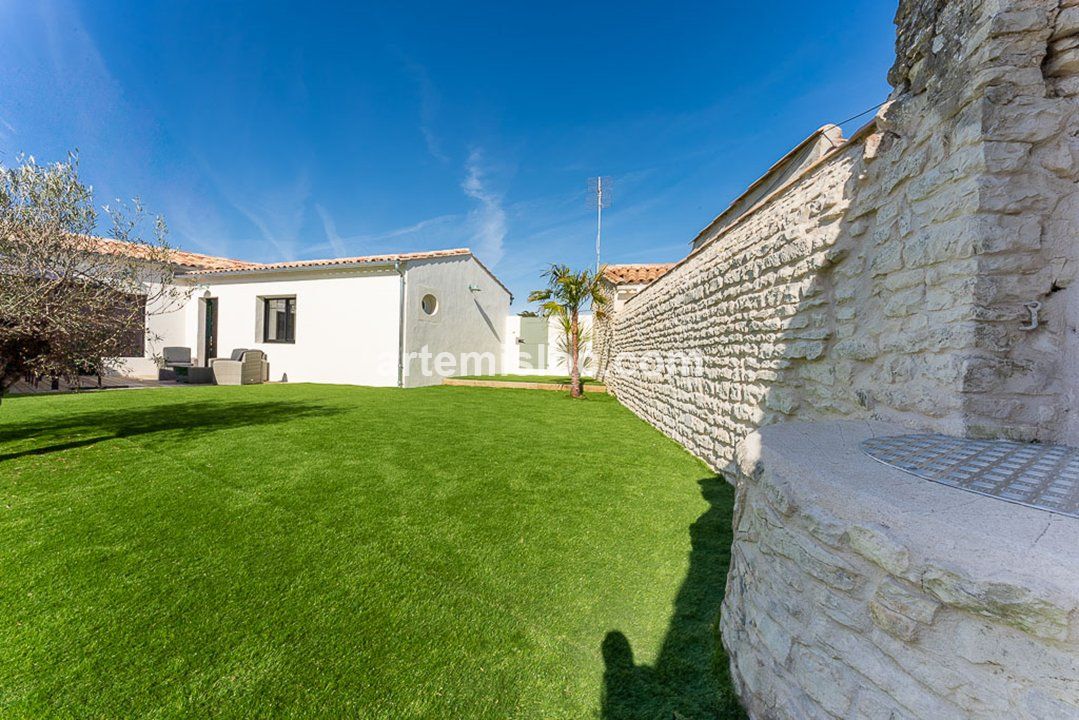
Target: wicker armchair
{"points": [[243, 367]]}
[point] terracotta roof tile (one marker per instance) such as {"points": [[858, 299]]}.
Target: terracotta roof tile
{"points": [[635, 274], [359, 260], [199, 264], [329, 262], [198, 261]]}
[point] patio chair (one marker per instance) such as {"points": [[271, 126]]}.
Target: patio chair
{"points": [[238, 355], [243, 367], [172, 358]]}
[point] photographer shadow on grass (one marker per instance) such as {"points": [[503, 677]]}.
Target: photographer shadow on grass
{"points": [[690, 678]]}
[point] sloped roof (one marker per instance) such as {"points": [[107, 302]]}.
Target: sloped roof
{"points": [[641, 273], [202, 265], [350, 261], [108, 246], [329, 262]]}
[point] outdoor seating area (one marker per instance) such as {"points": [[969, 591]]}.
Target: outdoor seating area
{"points": [[241, 367], [177, 366]]}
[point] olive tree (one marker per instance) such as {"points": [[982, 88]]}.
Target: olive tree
{"points": [[71, 301]]}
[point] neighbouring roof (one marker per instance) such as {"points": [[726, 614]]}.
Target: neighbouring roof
{"points": [[641, 273], [183, 258]]}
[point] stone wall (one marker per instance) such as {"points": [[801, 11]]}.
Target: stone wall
{"points": [[1001, 80], [889, 279], [857, 591]]}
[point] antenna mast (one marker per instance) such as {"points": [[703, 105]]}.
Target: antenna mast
{"points": [[599, 192]]}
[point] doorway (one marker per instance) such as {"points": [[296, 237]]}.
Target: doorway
{"points": [[209, 335]]}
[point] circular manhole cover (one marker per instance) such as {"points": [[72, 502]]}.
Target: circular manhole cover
{"points": [[1039, 476]]}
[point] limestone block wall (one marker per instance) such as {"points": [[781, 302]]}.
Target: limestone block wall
{"points": [[857, 591], [889, 279], [1057, 158], [756, 308], [1000, 79]]}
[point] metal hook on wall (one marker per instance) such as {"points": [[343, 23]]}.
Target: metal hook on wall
{"points": [[1032, 308]]}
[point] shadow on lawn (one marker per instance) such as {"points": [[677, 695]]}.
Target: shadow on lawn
{"points": [[188, 421], [690, 679]]}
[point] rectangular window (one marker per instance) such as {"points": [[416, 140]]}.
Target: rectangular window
{"points": [[279, 320]]}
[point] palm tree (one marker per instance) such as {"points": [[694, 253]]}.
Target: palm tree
{"points": [[566, 295]]}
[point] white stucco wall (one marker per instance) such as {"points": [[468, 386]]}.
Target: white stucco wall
{"points": [[346, 323], [466, 321], [556, 361], [165, 325], [623, 293], [511, 349]]}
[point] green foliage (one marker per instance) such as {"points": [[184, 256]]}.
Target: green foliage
{"points": [[566, 296], [568, 292], [69, 300], [318, 551]]}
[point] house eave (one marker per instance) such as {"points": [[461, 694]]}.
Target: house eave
{"points": [[224, 276]]}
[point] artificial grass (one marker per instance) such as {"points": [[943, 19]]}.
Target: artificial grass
{"points": [[553, 379], [323, 551]]}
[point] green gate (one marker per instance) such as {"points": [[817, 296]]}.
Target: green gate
{"points": [[533, 343]]}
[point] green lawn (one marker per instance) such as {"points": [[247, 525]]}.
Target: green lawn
{"points": [[320, 551], [555, 379]]}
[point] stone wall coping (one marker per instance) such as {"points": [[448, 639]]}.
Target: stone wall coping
{"points": [[829, 137], [854, 141], [819, 467]]}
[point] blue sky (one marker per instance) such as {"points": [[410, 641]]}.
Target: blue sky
{"points": [[268, 132]]}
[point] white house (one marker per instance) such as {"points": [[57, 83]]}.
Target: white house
{"points": [[404, 319]]}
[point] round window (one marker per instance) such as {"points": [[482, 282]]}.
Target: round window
{"points": [[429, 304]]}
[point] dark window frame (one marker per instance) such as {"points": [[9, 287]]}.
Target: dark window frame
{"points": [[290, 320]]}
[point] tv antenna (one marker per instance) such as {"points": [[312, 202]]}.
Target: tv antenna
{"points": [[599, 196]]}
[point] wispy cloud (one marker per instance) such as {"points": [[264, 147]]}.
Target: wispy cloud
{"points": [[6, 129], [488, 219], [55, 62], [434, 229], [194, 222], [485, 226], [277, 212], [433, 145], [414, 228], [429, 103], [337, 243]]}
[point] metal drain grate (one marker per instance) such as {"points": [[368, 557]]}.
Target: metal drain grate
{"points": [[1038, 476]]}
